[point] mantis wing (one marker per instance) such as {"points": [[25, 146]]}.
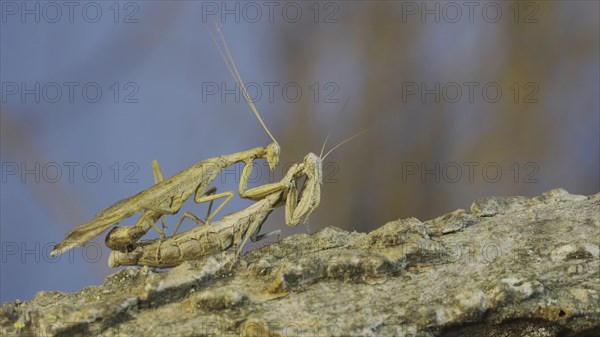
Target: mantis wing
{"points": [[84, 233]]}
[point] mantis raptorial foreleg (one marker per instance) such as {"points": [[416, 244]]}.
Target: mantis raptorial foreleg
{"points": [[253, 194]]}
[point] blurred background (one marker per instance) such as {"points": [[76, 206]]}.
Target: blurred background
{"points": [[467, 100]]}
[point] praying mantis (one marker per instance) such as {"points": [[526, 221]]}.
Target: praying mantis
{"points": [[232, 230], [167, 196], [236, 228]]}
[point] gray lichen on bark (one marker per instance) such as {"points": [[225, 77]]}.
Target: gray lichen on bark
{"points": [[513, 266]]}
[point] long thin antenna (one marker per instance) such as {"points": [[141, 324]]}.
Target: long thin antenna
{"points": [[347, 140], [230, 63], [334, 124], [354, 136]]}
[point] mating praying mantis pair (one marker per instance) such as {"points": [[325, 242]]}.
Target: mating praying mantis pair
{"points": [[167, 197], [232, 230]]}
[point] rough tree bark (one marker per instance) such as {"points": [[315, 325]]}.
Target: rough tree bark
{"points": [[513, 266]]}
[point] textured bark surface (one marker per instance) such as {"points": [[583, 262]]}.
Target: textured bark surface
{"points": [[513, 266]]}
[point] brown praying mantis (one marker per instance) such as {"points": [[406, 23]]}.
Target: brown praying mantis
{"points": [[232, 230], [236, 228], [167, 196]]}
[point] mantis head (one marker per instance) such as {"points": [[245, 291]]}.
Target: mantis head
{"points": [[272, 155], [313, 166]]}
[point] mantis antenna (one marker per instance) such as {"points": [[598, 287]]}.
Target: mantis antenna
{"points": [[345, 140], [331, 128], [230, 63]]}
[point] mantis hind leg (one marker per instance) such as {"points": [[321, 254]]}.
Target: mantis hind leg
{"points": [[191, 216], [119, 238], [158, 177], [152, 218]]}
